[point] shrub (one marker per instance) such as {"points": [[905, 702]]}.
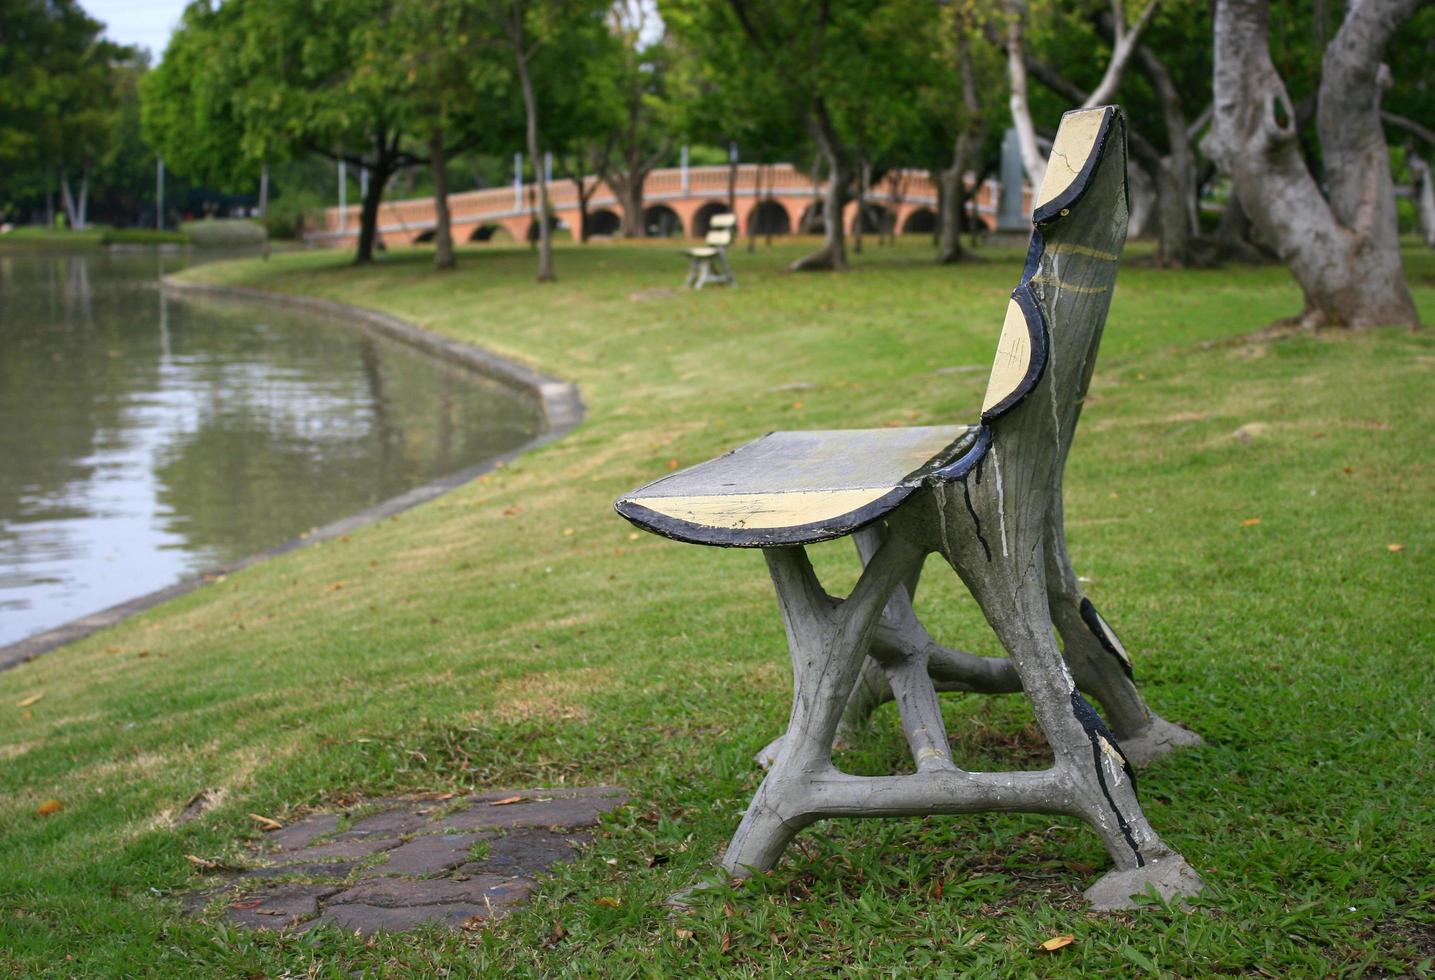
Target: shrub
{"points": [[224, 232]]}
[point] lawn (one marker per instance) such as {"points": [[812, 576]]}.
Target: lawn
{"points": [[1255, 518]]}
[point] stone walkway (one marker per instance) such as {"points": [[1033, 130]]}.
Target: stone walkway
{"points": [[407, 862]]}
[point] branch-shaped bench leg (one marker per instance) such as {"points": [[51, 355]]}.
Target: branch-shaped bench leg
{"points": [[1098, 659], [1007, 577], [900, 639], [828, 641]]}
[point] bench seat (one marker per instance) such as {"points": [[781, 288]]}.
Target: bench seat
{"points": [[794, 487]]}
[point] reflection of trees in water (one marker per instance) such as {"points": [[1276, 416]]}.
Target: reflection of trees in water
{"points": [[256, 423], [66, 379]]}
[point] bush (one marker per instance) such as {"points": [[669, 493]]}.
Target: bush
{"points": [[143, 236], [224, 233]]}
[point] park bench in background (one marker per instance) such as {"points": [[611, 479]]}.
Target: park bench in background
{"points": [[987, 498], [709, 262]]}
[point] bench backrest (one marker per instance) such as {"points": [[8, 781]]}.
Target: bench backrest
{"points": [[721, 230], [1058, 311]]}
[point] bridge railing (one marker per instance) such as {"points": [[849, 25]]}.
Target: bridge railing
{"points": [[711, 182]]}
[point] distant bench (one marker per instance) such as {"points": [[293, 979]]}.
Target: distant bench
{"points": [[709, 263]]}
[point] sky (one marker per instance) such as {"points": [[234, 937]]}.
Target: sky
{"points": [[144, 22]]}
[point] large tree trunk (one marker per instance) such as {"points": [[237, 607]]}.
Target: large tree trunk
{"points": [[833, 253], [1343, 252], [84, 205], [443, 232]]}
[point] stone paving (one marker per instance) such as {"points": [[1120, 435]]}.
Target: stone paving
{"points": [[406, 862]]}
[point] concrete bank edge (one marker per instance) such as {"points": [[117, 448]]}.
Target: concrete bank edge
{"points": [[559, 402]]}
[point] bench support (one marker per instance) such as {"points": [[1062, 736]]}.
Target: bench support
{"points": [[830, 640]]}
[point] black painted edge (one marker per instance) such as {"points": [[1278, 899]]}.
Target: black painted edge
{"points": [[1099, 629], [559, 401]]}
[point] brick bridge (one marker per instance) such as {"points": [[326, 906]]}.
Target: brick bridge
{"points": [[770, 199]]}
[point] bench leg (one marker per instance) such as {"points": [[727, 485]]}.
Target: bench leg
{"points": [[692, 273], [1097, 658], [828, 640]]}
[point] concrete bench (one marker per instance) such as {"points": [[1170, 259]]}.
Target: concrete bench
{"points": [[708, 263], [987, 498]]}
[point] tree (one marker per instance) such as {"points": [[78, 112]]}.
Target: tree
{"points": [[826, 66], [1342, 247], [63, 92], [642, 139]]}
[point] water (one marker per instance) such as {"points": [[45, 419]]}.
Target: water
{"points": [[144, 437]]}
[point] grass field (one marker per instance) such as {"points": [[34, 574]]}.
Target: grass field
{"points": [[516, 633]]}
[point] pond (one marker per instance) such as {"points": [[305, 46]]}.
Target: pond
{"points": [[144, 437]]}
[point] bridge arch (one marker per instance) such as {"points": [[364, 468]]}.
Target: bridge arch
{"points": [[769, 217], [488, 233], [875, 218], [602, 222], [661, 221], [703, 215], [812, 222], [922, 221]]}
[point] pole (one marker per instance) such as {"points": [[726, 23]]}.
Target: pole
{"points": [[548, 166], [159, 193], [364, 183], [264, 190], [732, 177], [518, 181], [685, 168], [343, 198]]}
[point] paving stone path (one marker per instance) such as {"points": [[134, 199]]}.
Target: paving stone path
{"points": [[401, 863]]}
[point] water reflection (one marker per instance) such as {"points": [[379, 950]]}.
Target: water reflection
{"points": [[144, 437]]}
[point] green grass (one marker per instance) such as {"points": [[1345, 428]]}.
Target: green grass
{"points": [[517, 633], [30, 238]]}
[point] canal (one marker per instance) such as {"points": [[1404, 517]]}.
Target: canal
{"points": [[145, 437]]}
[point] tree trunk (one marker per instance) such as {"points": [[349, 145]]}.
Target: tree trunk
{"points": [[833, 253], [1423, 193], [864, 173], [530, 107], [1176, 173], [67, 201], [84, 205], [970, 136], [443, 232], [264, 190], [583, 193], [379, 175], [1032, 159], [1343, 252]]}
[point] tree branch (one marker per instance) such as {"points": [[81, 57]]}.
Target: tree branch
{"points": [[1121, 51], [1409, 125]]}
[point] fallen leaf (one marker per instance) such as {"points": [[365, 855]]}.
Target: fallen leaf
{"points": [[49, 808], [1057, 942], [797, 406], [726, 942], [1250, 522], [607, 902], [672, 464], [336, 586], [568, 532], [507, 800], [252, 903], [30, 700], [1395, 548], [512, 511], [633, 536], [265, 822], [683, 934], [200, 862]]}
